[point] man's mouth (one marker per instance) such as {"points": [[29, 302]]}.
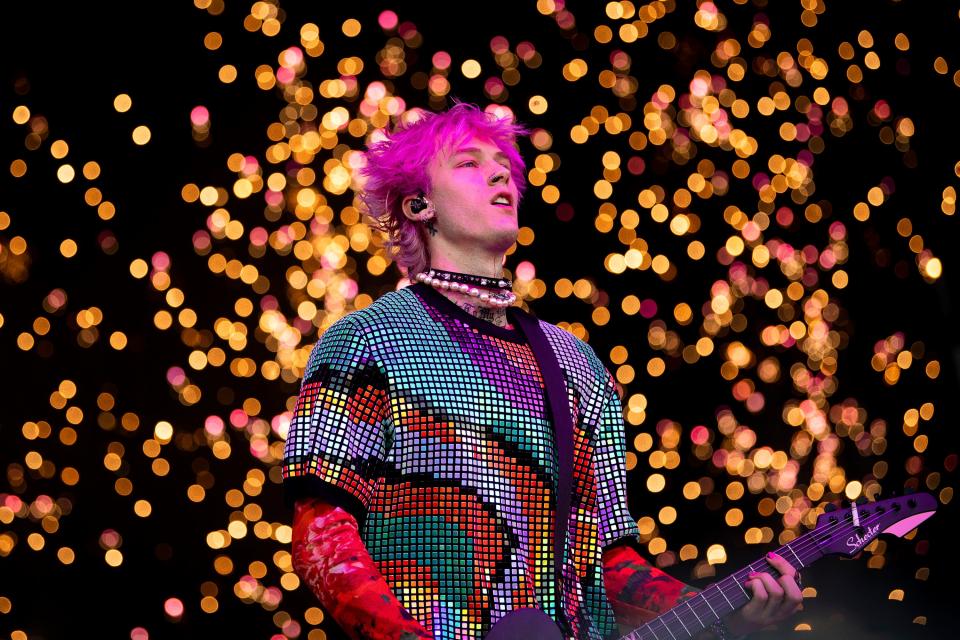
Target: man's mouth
{"points": [[503, 199]]}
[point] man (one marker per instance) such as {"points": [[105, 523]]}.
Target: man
{"points": [[422, 457]]}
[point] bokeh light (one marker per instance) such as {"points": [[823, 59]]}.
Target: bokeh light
{"points": [[730, 201]]}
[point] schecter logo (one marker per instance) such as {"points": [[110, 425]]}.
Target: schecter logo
{"points": [[855, 541]]}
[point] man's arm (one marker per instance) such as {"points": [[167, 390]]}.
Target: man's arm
{"points": [[638, 591], [331, 559], [334, 447]]}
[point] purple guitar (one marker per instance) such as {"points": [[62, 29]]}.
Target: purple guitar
{"points": [[842, 532]]}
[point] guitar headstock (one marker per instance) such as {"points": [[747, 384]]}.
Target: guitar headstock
{"points": [[847, 531]]}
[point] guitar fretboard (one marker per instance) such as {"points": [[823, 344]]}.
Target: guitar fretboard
{"points": [[723, 597]]}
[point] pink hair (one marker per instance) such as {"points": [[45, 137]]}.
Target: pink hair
{"points": [[397, 167]]}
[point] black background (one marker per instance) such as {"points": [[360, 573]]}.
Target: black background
{"points": [[77, 57]]}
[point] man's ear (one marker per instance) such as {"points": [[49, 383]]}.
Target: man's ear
{"points": [[416, 207]]}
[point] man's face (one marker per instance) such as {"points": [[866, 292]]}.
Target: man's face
{"points": [[475, 196]]}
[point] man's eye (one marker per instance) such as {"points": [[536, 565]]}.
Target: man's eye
{"points": [[468, 162]]}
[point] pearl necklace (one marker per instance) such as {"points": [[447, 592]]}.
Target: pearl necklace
{"points": [[493, 299]]}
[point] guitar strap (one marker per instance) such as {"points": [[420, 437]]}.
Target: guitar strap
{"points": [[558, 407]]}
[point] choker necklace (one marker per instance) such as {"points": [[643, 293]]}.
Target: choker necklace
{"points": [[469, 284]]}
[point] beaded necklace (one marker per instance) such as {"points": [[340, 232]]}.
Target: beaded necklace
{"points": [[471, 285]]}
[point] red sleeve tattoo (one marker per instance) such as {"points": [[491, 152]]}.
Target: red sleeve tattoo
{"points": [[332, 560], [638, 591]]}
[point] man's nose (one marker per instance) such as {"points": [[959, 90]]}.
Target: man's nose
{"points": [[500, 175]]}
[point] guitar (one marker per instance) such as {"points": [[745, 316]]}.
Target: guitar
{"points": [[843, 532]]}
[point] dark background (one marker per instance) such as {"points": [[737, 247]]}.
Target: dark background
{"points": [[68, 62]]}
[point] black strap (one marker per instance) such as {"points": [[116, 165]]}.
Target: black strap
{"points": [[559, 409]]}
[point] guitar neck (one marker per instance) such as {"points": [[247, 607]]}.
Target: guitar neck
{"points": [[723, 597]]}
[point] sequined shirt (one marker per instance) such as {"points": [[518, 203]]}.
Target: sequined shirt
{"points": [[431, 426]]}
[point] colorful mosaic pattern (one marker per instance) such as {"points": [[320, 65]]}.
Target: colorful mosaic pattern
{"points": [[431, 427]]}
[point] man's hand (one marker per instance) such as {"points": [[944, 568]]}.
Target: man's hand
{"points": [[774, 599]]}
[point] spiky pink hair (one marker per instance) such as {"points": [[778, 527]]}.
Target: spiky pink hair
{"points": [[397, 167]]}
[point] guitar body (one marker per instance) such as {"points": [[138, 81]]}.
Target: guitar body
{"points": [[525, 624]]}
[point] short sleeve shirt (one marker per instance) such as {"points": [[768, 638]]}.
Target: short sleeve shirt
{"points": [[431, 426]]}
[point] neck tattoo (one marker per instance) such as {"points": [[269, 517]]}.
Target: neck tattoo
{"points": [[497, 316]]}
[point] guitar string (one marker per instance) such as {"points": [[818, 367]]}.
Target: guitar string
{"points": [[807, 546]]}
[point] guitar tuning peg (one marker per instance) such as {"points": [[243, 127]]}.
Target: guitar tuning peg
{"points": [[909, 491], [862, 501], [830, 507]]}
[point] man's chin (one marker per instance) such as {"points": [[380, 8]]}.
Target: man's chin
{"points": [[507, 239], [500, 245]]}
